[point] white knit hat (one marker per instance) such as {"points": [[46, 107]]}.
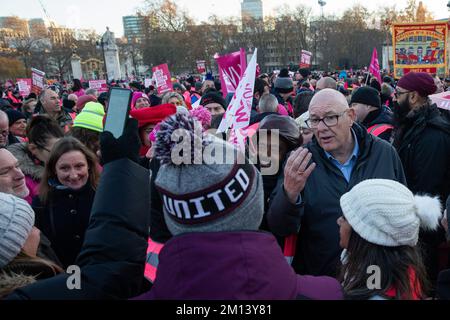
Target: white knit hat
{"points": [[386, 213], [16, 222]]}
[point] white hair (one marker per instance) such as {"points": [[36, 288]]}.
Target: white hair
{"points": [[268, 103]]}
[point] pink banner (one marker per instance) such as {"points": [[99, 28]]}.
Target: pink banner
{"points": [[37, 81], [24, 86], [161, 75], [99, 85], [230, 71], [374, 68]]}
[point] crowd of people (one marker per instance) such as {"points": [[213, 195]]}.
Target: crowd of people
{"points": [[361, 183]]}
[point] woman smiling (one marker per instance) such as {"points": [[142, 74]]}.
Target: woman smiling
{"points": [[66, 195]]}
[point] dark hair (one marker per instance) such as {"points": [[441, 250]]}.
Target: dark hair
{"points": [[76, 85], [89, 138], [301, 103], [41, 129], [395, 263], [63, 146], [284, 73], [305, 84], [260, 84], [136, 85]]}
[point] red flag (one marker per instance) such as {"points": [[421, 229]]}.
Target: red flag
{"points": [[374, 68]]}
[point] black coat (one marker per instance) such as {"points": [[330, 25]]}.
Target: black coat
{"points": [[113, 255], [158, 227], [64, 220], [424, 148], [318, 249], [380, 116]]}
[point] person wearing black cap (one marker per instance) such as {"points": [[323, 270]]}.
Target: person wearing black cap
{"points": [[422, 139], [371, 114], [17, 125], [283, 89], [214, 102]]}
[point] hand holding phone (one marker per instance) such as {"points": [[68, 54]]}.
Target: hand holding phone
{"points": [[118, 111], [127, 146]]}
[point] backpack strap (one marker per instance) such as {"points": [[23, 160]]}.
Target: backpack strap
{"points": [[379, 129]]}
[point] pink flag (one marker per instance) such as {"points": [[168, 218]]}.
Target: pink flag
{"points": [[230, 71], [374, 68], [237, 116]]}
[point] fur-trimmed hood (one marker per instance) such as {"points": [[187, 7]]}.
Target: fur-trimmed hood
{"points": [[11, 281], [27, 165]]}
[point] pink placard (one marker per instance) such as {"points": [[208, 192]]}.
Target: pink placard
{"points": [[24, 85], [305, 59], [201, 66], [99, 85], [161, 75], [37, 80]]}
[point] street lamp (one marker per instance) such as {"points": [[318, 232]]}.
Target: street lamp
{"points": [[101, 44], [322, 4]]}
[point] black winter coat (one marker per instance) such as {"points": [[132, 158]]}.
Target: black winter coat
{"points": [[380, 116], [158, 227], [113, 255], [318, 249], [64, 220], [424, 148]]}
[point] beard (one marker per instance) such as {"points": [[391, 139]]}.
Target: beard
{"points": [[401, 111]]}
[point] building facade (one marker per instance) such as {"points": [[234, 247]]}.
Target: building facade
{"points": [[133, 28], [38, 28], [252, 9]]}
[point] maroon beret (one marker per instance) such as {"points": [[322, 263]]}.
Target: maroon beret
{"points": [[421, 82]]}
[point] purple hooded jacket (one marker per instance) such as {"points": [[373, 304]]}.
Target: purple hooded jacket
{"points": [[232, 266]]}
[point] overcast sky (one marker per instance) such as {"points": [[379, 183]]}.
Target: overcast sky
{"points": [[97, 14]]}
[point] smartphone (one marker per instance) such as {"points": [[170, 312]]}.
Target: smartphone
{"points": [[118, 111]]}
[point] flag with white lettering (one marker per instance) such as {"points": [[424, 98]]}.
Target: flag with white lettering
{"points": [[230, 70], [237, 116]]}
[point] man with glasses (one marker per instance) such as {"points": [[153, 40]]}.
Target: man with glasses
{"points": [[306, 200], [422, 140], [12, 181]]}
